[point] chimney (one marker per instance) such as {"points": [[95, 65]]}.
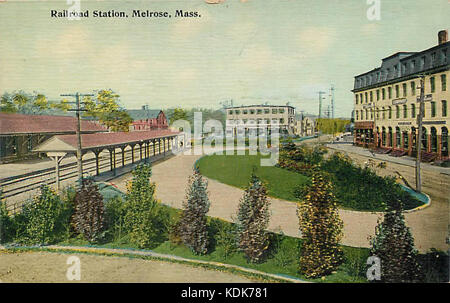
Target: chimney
{"points": [[442, 36]]}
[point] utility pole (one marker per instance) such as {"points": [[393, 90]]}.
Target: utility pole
{"points": [[419, 139], [320, 112], [77, 111], [332, 101]]}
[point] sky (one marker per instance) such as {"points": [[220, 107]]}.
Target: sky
{"points": [[248, 51]]}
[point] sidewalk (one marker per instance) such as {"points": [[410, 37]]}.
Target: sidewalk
{"points": [[405, 160]]}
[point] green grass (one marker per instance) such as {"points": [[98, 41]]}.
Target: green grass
{"points": [[236, 170], [345, 273]]}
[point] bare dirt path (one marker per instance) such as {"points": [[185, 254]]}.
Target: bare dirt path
{"points": [[51, 267], [429, 226]]}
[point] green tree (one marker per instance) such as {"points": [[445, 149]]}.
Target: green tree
{"points": [[178, 114], [88, 217], [193, 221], [141, 218], [45, 218], [321, 229], [253, 219], [24, 103], [394, 245], [105, 107]]}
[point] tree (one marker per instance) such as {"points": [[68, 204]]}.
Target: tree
{"points": [[88, 217], [141, 218], [193, 221], [253, 219], [105, 107], [24, 103], [394, 245], [321, 229], [178, 114], [45, 218]]}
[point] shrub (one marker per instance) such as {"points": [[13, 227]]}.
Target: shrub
{"points": [[321, 229], [253, 219], [285, 250], [193, 222], [394, 245], [6, 223], [88, 217], [355, 263], [142, 213], [115, 217], [226, 238], [45, 219], [435, 266]]}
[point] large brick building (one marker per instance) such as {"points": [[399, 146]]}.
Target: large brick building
{"points": [[147, 119], [386, 107]]}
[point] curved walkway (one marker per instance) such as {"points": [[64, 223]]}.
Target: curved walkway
{"points": [[429, 226]]}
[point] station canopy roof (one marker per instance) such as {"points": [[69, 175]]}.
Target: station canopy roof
{"points": [[17, 124], [100, 141]]}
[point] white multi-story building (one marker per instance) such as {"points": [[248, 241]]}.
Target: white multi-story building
{"points": [[241, 119]]}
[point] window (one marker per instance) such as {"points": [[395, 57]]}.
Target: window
{"points": [[405, 111], [357, 115], [365, 95], [245, 111], [362, 115], [383, 93], [397, 110], [444, 108], [356, 99], [404, 89], [389, 113], [413, 110], [404, 68], [413, 88], [371, 96], [389, 92], [252, 111], [422, 62], [259, 111], [266, 111], [413, 65], [432, 85], [397, 137], [383, 113], [274, 110], [237, 112], [281, 110], [433, 109], [378, 94], [230, 112], [444, 56], [433, 59], [281, 120], [371, 113], [397, 91], [444, 82]]}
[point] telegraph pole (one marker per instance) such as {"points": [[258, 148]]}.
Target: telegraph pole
{"points": [[332, 101], [77, 111], [320, 112], [419, 139]]}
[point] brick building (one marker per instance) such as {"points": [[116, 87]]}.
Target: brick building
{"points": [[147, 119], [386, 106]]}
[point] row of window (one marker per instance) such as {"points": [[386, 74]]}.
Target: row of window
{"points": [[369, 96], [407, 67], [260, 111], [267, 121], [400, 112]]}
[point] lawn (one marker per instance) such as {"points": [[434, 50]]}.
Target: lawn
{"points": [[236, 170]]}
